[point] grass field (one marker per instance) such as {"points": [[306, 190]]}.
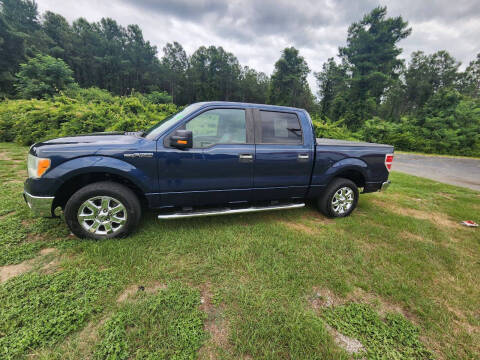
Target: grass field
{"points": [[399, 279]]}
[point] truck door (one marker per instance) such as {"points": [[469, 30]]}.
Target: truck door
{"points": [[219, 167], [283, 156]]}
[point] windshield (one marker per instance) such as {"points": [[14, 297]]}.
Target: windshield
{"points": [[159, 128]]}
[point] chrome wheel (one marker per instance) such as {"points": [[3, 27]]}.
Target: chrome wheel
{"points": [[342, 200], [102, 215]]}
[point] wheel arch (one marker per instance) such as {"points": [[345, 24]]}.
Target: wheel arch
{"points": [[78, 181], [353, 169], [353, 174]]}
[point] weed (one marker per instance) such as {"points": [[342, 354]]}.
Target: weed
{"points": [[167, 325], [40, 310], [391, 338]]}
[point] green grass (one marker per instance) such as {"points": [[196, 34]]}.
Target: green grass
{"points": [[39, 309], [391, 337], [402, 249], [161, 326]]}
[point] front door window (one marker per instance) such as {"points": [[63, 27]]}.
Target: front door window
{"points": [[218, 126]]}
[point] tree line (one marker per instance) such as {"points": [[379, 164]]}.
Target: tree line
{"points": [[370, 80], [368, 92], [109, 56]]}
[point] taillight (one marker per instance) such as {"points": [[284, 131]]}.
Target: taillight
{"points": [[388, 161]]}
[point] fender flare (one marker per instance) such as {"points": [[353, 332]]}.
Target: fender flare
{"points": [[348, 164], [100, 164]]}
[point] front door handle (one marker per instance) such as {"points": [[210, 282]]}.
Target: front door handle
{"points": [[303, 156], [245, 157]]}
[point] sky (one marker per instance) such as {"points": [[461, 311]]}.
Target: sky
{"points": [[256, 31]]}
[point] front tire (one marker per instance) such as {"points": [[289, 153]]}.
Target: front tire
{"points": [[339, 199], [103, 210]]}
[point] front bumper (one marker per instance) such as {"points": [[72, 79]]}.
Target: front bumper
{"points": [[40, 205]]}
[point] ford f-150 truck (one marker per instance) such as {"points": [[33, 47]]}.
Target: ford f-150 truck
{"points": [[210, 158]]}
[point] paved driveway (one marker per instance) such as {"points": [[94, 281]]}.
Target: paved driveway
{"points": [[455, 171]]}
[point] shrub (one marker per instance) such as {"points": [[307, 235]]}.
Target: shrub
{"points": [[43, 76], [324, 128], [449, 124], [77, 112], [402, 135], [159, 97]]}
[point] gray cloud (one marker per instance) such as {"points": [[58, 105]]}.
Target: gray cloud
{"points": [[256, 31], [191, 10]]}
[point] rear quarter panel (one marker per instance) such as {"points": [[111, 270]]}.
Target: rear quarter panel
{"points": [[332, 160]]}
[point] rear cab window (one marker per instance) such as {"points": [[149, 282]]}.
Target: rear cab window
{"points": [[277, 127]]}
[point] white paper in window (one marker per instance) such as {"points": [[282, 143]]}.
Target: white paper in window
{"points": [[280, 127]]}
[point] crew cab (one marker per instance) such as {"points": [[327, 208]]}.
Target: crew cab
{"points": [[210, 158]]}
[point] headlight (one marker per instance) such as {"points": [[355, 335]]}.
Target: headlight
{"points": [[37, 166]]}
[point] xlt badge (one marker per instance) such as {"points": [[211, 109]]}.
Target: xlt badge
{"points": [[139, 155]]}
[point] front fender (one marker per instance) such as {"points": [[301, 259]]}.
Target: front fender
{"points": [[54, 178]]}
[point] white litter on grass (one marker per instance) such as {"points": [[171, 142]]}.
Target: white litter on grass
{"points": [[469, 223]]}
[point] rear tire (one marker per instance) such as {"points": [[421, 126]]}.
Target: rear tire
{"points": [[103, 210], [339, 199]]}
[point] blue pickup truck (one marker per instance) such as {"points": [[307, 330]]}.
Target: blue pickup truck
{"points": [[210, 158]]}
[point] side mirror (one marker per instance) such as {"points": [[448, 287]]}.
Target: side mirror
{"points": [[182, 139]]}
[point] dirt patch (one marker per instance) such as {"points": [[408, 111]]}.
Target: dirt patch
{"points": [[51, 267], [27, 222], [128, 292], [215, 325], [4, 156], [21, 173], [446, 196], [298, 227], [381, 305], [412, 236], [15, 181], [436, 218], [131, 290], [461, 320], [47, 251], [350, 345], [325, 298], [35, 238], [322, 298], [83, 341], [9, 271], [7, 214], [317, 217], [89, 335]]}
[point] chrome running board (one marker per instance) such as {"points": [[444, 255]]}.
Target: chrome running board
{"points": [[228, 211]]}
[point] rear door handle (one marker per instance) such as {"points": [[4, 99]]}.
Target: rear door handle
{"points": [[245, 157], [303, 156]]}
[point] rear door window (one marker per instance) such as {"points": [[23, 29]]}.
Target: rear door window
{"points": [[279, 128]]}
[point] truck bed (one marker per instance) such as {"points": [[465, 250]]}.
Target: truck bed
{"points": [[353, 159], [334, 142]]}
